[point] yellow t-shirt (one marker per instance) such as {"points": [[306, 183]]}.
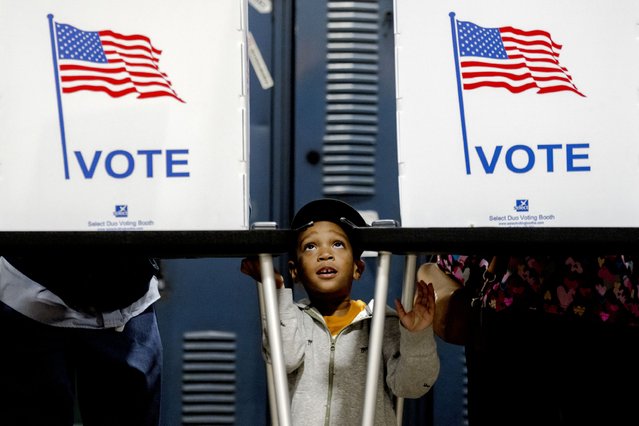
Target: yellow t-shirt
{"points": [[336, 323]]}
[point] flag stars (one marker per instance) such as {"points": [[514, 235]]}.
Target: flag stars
{"points": [[80, 45], [478, 41]]}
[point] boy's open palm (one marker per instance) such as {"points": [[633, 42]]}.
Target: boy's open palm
{"points": [[423, 312]]}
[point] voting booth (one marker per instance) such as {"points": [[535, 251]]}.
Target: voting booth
{"points": [[517, 114], [517, 125], [122, 116], [115, 121]]}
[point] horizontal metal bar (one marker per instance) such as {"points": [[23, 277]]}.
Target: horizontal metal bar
{"points": [[160, 244], [240, 243], [490, 240]]}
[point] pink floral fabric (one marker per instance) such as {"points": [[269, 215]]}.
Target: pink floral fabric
{"points": [[601, 289]]}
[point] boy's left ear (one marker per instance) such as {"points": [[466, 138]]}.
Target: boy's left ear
{"points": [[359, 269]]}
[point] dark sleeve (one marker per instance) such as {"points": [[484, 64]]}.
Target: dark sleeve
{"points": [[87, 283]]}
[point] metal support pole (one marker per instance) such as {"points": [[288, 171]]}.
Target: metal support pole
{"points": [[275, 340], [275, 371], [408, 295], [376, 336], [269, 367]]}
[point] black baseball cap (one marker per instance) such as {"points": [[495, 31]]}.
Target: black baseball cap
{"points": [[331, 210], [328, 209]]}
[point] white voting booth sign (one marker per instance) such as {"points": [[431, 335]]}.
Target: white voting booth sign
{"points": [[123, 115], [515, 114]]}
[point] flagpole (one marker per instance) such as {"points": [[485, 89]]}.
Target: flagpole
{"points": [[57, 87], [459, 91]]}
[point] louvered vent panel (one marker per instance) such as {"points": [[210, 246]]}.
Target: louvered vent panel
{"points": [[208, 378], [352, 86]]}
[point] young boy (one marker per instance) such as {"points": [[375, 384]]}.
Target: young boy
{"points": [[326, 338]]}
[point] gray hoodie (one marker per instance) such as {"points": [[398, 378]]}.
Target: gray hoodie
{"points": [[327, 375]]}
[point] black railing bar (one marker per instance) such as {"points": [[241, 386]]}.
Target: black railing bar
{"points": [[240, 243]]}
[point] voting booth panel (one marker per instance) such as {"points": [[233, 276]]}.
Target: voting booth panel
{"points": [[120, 116], [517, 114]]}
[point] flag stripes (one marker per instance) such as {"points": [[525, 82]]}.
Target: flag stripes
{"points": [[110, 62], [512, 59]]}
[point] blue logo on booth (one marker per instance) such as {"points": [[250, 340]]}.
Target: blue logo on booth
{"points": [[521, 205], [121, 210]]}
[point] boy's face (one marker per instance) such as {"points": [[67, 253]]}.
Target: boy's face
{"points": [[324, 261]]}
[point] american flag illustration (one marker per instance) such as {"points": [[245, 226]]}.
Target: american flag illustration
{"points": [[110, 62], [511, 58]]}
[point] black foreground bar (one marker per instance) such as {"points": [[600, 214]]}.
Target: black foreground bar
{"points": [[397, 240]]}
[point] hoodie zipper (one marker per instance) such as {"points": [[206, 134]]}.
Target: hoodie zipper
{"points": [[331, 371], [331, 363]]}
